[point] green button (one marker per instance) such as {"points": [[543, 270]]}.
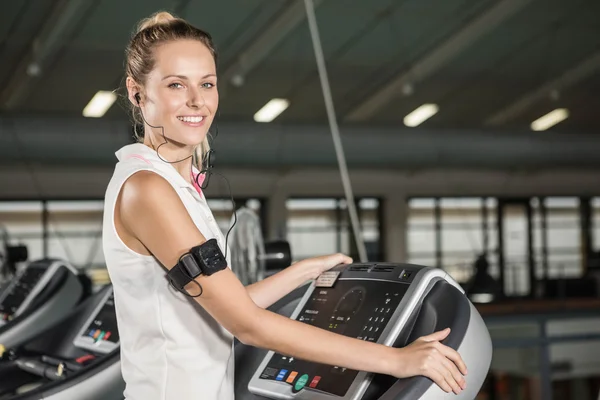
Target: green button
{"points": [[301, 382]]}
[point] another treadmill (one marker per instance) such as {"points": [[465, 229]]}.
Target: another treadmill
{"points": [[44, 292], [78, 358], [391, 304]]}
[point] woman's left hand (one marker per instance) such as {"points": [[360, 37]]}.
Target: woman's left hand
{"points": [[318, 265]]}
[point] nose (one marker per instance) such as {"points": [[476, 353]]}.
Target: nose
{"points": [[195, 99]]}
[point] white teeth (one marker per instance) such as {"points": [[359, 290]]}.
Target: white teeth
{"points": [[190, 119]]}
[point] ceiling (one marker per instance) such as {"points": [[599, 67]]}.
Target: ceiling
{"points": [[488, 64]]}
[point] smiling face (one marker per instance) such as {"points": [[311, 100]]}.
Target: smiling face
{"points": [[180, 93]]}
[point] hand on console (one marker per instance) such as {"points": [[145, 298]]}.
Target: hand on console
{"points": [[428, 357]]}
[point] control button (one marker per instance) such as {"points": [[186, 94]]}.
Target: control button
{"points": [[281, 374], [315, 382], [97, 333], [376, 319], [376, 309], [100, 336], [382, 320], [301, 382], [292, 376], [387, 311], [370, 319]]}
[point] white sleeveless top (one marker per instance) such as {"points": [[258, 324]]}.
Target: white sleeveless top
{"points": [[171, 348]]}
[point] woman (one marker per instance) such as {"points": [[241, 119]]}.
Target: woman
{"points": [[173, 347]]}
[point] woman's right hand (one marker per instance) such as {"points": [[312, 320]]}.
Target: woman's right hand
{"points": [[428, 357]]}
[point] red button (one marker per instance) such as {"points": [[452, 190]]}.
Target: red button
{"points": [[106, 335], [314, 382]]}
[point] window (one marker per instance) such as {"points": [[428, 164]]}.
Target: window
{"points": [[421, 234], [564, 237], [319, 226], [222, 210], [23, 222], [596, 223], [75, 232], [467, 228]]}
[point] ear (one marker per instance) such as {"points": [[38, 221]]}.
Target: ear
{"points": [[132, 89]]}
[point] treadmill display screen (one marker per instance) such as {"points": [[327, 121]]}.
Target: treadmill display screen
{"points": [[358, 309], [18, 292], [104, 325]]}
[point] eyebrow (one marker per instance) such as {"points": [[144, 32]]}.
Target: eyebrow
{"points": [[186, 78]]}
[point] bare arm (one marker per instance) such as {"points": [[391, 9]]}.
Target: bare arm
{"points": [[270, 290], [152, 212], [266, 292]]}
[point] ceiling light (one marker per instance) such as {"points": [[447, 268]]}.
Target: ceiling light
{"points": [[420, 115], [271, 110], [99, 104], [550, 119]]}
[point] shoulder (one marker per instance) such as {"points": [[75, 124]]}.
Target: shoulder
{"points": [[147, 193], [147, 184]]}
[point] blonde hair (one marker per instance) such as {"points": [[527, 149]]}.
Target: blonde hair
{"points": [[157, 29]]}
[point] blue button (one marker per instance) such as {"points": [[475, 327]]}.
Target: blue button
{"points": [[281, 375]]}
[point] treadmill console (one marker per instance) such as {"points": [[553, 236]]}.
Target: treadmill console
{"points": [[24, 288], [362, 303], [99, 333]]}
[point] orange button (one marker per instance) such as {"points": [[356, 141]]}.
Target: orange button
{"points": [[292, 376]]}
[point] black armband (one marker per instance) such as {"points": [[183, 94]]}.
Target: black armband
{"points": [[205, 259]]}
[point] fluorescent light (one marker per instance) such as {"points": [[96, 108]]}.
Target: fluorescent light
{"points": [[99, 104], [420, 115], [271, 110], [550, 119]]}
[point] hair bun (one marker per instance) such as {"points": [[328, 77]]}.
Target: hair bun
{"points": [[158, 18]]}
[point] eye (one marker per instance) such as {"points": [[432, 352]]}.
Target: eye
{"points": [[208, 85], [176, 85]]}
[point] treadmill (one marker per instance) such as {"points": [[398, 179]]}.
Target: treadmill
{"points": [[41, 294], [77, 358], [390, 304]]}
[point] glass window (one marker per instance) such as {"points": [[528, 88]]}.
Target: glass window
{"points": [[23, 222], [75, 232], [462, 238], [596, 223], [222, 210], [368, 210], [421, 241], [318, 226], [564, 237]]}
